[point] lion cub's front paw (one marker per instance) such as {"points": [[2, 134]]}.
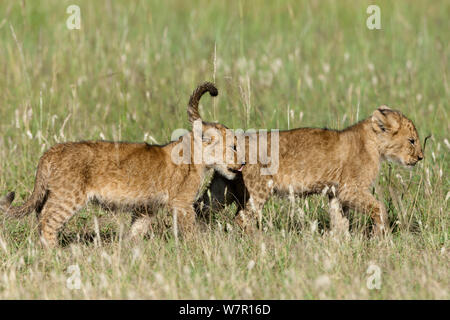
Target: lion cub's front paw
{"points": [[245, 223], [380, 230]]}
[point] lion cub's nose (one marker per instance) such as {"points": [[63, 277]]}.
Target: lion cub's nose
{"points": [[420, 157]]}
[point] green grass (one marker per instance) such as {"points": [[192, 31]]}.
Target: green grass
{"points": [[127, 75]]}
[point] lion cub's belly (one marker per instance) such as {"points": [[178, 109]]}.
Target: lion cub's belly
{"points": [[302, 182], [119, 196]]}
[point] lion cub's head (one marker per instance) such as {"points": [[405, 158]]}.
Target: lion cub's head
{"points": [[219, 146], [398, 139]]}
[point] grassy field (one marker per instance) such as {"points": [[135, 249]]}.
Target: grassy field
{"points": [[127, 75]]}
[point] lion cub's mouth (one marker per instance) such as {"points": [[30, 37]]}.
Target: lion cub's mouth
{"points": [[411, 163], [239, 169]]}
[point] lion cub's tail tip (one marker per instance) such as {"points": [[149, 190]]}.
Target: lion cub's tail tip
{"points": [[10, 196], [206, 87], [211, 88], [6, 201], [193, 113]]}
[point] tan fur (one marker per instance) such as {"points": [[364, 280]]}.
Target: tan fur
{"points": [[119, 175], [343, 164]]}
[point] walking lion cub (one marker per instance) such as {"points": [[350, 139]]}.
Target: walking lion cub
{"points": [[343, 164], [137, 177]]}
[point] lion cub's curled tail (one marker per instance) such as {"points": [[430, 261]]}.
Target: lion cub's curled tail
{"points": [[192, 111]]}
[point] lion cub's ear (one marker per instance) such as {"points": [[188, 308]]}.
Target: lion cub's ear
{"points": [[384, 119], [384, 108]]}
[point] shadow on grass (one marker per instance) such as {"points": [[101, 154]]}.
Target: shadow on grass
{"points": [[86, 238]]}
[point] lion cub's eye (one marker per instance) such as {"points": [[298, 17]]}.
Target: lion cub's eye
{"points": [[412, 141]]}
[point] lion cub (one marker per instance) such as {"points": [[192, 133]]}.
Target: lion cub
{"points": [[343, 164], [130, 176]]}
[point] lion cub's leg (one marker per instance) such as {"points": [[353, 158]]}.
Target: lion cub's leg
{"points": [[258, 193], [365, 202], [58, 209], [185, 218], [339, 223], [247, 217], [140, 226]]}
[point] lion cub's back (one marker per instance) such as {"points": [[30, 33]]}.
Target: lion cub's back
{"points": [[308, 144], [93, 159]]}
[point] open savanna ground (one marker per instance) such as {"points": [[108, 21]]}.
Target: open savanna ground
{"points": [[127, 75]]}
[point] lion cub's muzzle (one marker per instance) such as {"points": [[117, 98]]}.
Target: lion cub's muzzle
{"points": [[414, 161], [237, 168]]}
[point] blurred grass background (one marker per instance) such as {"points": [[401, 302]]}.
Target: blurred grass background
{"points": [[127, 75]]}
